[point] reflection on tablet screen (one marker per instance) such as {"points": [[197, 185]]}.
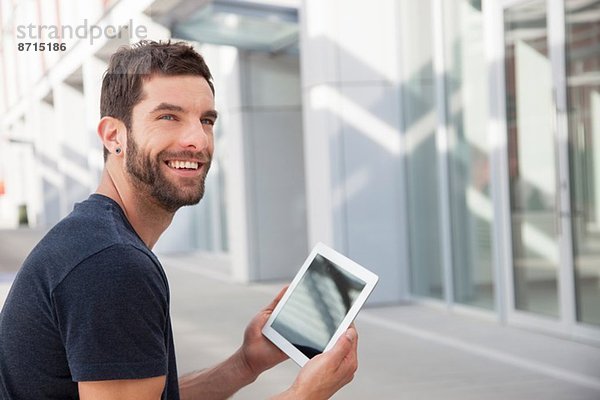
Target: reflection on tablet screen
{"points": [[317, 306]]}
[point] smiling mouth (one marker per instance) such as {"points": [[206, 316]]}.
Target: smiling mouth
{"points": [[183, 165]]}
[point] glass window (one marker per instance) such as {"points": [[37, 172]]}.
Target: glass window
{"points": [[532, 163], [583, 110], [419, 125], [469, 172]]}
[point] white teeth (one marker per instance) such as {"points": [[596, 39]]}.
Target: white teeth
{"points": [[183, 164]]}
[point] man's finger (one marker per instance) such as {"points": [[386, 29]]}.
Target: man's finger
{"points": [[355, 342], [354, 352], [343, 346]]}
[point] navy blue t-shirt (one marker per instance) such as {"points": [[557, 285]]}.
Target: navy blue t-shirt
{"points": [[91, 302]]}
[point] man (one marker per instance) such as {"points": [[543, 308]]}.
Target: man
{"points": [[88, 314]]}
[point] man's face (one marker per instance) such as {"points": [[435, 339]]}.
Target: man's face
{"points": [[170, 143]]}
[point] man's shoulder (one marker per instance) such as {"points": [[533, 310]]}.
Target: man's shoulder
{"points": [[127, 264], [122, 255], [91, 228], [97, 221]]}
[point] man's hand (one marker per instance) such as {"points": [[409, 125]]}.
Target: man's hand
{"points": [[258, 352], [328, 372], [320, 378]]}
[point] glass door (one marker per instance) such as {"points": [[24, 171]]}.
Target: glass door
{"points": [[582, 42], [532, 159], [552, 112]]}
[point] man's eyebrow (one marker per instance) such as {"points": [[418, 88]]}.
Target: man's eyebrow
{"points": [[210, 114], [174, 107], [167, 107]]}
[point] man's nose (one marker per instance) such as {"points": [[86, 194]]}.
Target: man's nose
{"points": [[195, 137]]}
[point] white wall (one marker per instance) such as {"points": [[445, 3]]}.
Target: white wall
{"points": [[352, 134]]}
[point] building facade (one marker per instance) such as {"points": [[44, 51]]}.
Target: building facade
{"points": [[451, 146]]}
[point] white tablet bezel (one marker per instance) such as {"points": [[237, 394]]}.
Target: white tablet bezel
{"points": [[348, 266]]}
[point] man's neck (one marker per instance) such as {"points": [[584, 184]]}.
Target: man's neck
{"points": [[147, 218]]}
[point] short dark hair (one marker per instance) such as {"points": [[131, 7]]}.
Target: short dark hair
{"points": [[130, 66]]}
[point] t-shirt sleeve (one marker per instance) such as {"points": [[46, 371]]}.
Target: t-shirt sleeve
{"points": [[112, 313]]}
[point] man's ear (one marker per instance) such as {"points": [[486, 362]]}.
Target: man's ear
{"points": [[113, 134]]}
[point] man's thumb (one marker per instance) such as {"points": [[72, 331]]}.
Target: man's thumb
{"points": [[344, 344]]}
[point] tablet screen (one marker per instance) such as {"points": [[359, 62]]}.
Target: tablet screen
{"points": [[317, 306]]}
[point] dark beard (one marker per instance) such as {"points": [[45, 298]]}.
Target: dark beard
{"points": [[147, 177]]}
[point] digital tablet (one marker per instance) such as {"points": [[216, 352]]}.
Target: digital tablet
{"points": [[319, 305]]}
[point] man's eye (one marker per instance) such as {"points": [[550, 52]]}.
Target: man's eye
{"points": [[167, 117], [207, 121]]}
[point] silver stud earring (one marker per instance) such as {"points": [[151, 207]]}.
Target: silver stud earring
{"points": [[118, 150]]}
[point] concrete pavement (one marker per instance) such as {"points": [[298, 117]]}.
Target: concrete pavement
{"points": [[406, 352]]}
